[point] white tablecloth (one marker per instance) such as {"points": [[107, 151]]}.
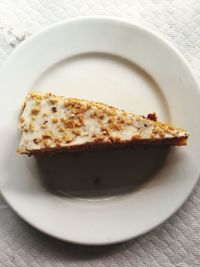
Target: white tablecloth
{"points": [[174, 243]]}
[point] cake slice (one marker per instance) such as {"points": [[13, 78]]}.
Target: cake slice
{"points": [[50, 123]]}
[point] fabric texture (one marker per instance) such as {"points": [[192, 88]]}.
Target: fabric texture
{"points": [[177, 241]]}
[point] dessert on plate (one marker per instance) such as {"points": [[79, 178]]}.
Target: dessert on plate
{"points": [[51, 124]]}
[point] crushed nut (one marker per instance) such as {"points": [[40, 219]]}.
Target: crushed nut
{"points": [[93, 114], [76, 132], [44, 126], [77, 123], [111, 120], [101, 116], [53, 100], [72, 115], [47, 135], [34, 95], [45, 114], [35, 110], [54, 119], [111, 112], [67, 138], [58, 139], [69, 124], [120, 119], [37, 102], [137, 118], [116, 126], [61, 129], [66, 102], [46, 143], [80, 118], [129, 121]]}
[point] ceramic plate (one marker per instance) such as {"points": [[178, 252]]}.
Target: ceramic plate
{"points": [[109, 196]]}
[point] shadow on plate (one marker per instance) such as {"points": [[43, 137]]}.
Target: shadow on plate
{"points": [[100, 174]]}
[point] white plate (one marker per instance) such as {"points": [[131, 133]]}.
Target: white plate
{"points": [[107, 197]]}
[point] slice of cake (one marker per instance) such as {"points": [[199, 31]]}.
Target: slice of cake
{"points": [[50, 123]]}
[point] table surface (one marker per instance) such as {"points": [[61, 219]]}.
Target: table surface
{"points": [[177, 241]]}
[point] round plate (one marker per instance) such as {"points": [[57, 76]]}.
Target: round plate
{"points": [[109, 196]]}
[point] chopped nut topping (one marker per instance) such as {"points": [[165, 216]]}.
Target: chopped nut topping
{"points": [[35, 110], [47, 134], [61, 129], [53, 100], [37, 102], [68, 138], [76, 132], [104, 132], [111, 120], [66, 102], [80, 118], [116, 126], [72, 115], [120, 119], [170, 128], [101, 116], [93, 114], [111, 112], [129, 121], [54, 119], [44, 126], [69, 124], [45, 114], [58, 139], [137, 118], [46, 143], [35, 95], [156, 130], [77, 123]]}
